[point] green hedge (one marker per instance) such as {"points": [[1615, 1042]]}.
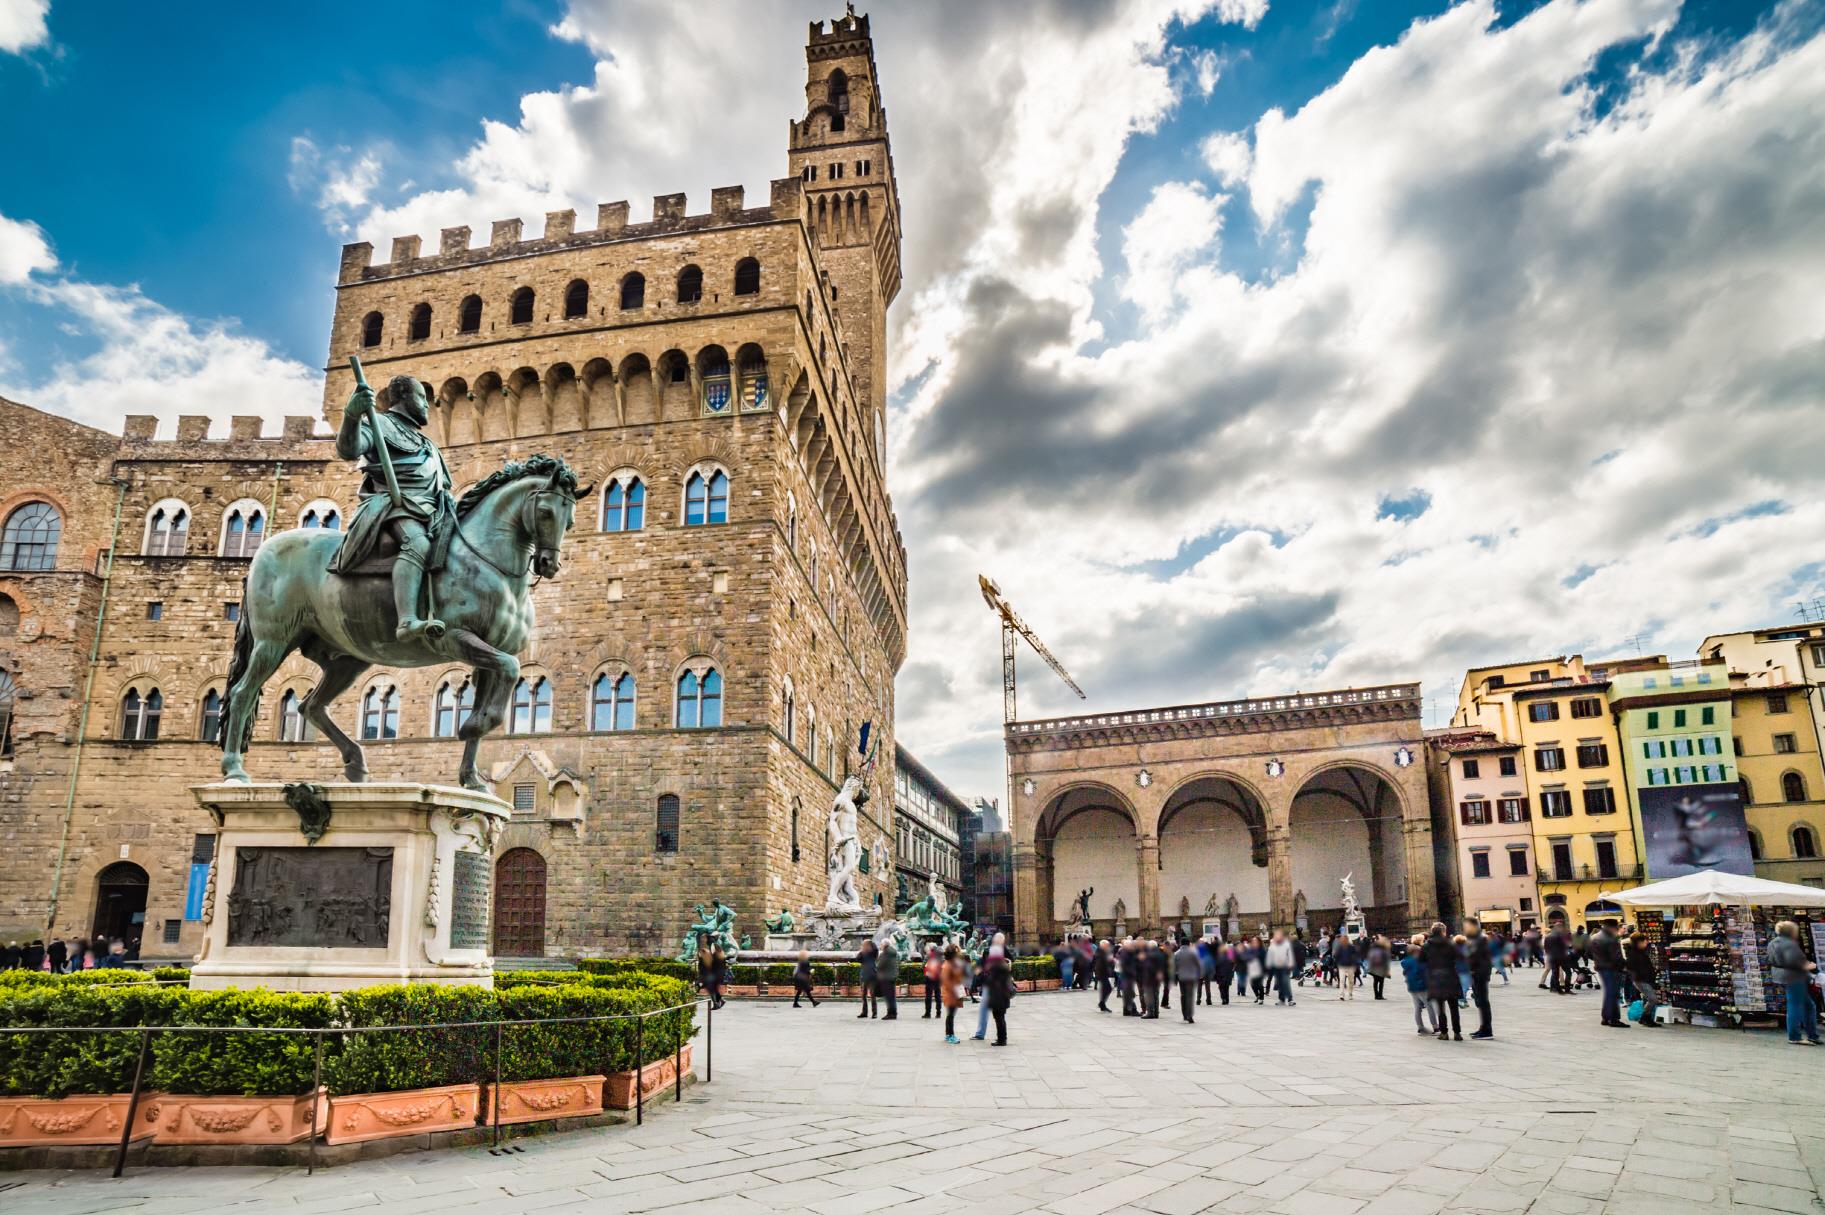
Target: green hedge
{"points": [[652, 966], [170, 974], [57, 1065], [101, 978]]}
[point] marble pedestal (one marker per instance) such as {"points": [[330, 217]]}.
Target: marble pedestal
{"points": [[396, 889]]}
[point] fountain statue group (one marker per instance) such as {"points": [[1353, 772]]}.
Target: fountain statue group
{"points": [[715, 928]]}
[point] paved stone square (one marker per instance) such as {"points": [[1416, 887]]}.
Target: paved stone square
{"points": [[1330, 1108]]}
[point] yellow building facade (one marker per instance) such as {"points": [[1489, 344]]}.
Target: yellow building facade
{"points": [[1783, 779]]}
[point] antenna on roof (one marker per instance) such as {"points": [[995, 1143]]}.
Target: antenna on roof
{"points": [[1811, 610], [1639, 641]]}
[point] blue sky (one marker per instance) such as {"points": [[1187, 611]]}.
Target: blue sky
{"points": [[1252, 345]]}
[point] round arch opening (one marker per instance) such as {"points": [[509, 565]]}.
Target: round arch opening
{"points": [[120, 906]]}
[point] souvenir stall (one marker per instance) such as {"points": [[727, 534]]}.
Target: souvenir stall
{"points": [[1709, 934]]}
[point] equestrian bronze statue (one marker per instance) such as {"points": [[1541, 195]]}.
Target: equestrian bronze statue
{"points": [[418, 580]]}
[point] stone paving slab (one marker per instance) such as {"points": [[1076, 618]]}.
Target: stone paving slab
{"points": [[1329, 1108]]}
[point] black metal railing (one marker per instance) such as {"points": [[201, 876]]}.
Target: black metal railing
{"points": [[146, 1033]]}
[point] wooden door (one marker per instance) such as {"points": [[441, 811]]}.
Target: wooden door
{"points": [[519, 904]]}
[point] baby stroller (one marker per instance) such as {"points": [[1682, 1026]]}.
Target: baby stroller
{"points": [[1582, 975], [1313, 974]]}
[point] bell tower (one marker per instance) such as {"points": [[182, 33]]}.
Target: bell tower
{"points": [[840, 153]]}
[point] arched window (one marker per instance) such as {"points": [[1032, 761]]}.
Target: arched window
{"points": [[576, 300], [699, 699], [9, 692], [451, 707], [9, 616], [811, 733], [791, 702], [29, 541], [380, 712], [1805, 844], [1755, 844], [624, 506], [531, 707], [209, 727], [791, 522], [665, 824], [294, 726], [168, 530], [747, 276], [420, 327], [812, 567], [754, 379], [838, 96], [1742, 786], [611, 702], [706, 498], [1793, 786], [520, 312], [713, 366], [371, 326], [690, 285], [633, 292], [469, 314], [139, 714], [242, 530], [325, 515]]}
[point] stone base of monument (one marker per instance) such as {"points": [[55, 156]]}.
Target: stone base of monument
{"points": [[330, 887]]}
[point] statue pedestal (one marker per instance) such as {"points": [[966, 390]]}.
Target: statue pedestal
{"points": [[397, 888]]}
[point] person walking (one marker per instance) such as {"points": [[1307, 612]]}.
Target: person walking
{"points": [[1378, 959], [934, 964], [1413, 971], [950, 990], [1223, 969], [1160, 953], [998, 985], [1064, 959], [887, 979], [1345, 958], [1476, 956], [1638, 962], [1130, 976], [1102, 965], [56, 954], [719, 974], [1153, 976], [1206, 968], [1279, 962], [998, 949], [1188, 969], [1498, 955], [1606, 955], [1557, 945], [704, 958], [866, 980], [801, 980], [1440, 957], [1787, 959], [1257, 969]]}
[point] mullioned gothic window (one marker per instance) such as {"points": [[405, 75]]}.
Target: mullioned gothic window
{"points": [[531, 707], [611, 702], [140, 713], [168, 531], [451, 707], [706, 498], [624, 506], [29, 540], [699, 699], [380, 712]]}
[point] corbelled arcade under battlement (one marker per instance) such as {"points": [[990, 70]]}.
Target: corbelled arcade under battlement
{"points": [[1243, 811]]}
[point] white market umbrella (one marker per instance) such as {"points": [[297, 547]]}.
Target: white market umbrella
{"points": [[1727, 889]]}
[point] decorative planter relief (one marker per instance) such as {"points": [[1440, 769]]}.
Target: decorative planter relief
{"points": [[37, 1121], [182, 1118], [654, 1076], [415, 1112], [535, 1100]]}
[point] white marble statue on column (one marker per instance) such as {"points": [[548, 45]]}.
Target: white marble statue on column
{"points": [[845, 859], [1352, 910]]}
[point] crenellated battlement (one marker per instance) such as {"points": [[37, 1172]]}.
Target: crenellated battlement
{"points": [[141, 430], [507, 239]]}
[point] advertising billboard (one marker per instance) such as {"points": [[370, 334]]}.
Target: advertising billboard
{"points": [[1687, 828]]}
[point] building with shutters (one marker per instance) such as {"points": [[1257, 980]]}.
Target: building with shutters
{"points": [[731, 610]]}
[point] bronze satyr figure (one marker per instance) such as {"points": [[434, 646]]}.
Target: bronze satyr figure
{"points": [[416, 581]]}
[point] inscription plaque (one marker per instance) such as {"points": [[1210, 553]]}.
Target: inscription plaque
{"points": [[469, 891], [336, 898]]}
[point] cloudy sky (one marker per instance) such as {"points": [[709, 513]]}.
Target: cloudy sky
{"points": [[1252, 345]]}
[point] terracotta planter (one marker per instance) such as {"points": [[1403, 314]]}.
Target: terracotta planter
{"points": [[536, 1100], [654, 1076], [413, 1112], [40, 1121], [182, 1118]]}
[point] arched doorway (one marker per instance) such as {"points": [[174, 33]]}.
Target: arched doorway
{"points": [[519, 904], [1086, 841], [1213, 846], [1346, 821], [120, 906]]}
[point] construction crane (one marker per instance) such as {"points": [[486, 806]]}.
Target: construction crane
{"points": [[1013, 626]]}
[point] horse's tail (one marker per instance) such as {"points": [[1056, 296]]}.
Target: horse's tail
{"points": [[237, 667]]}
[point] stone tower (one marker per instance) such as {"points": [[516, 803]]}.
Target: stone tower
{"points": [[844, 162]]}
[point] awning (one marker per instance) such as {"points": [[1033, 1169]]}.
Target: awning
{"points": [[1710, 886]]}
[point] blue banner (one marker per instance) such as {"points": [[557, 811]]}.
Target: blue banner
{"points": [[193, 896]]}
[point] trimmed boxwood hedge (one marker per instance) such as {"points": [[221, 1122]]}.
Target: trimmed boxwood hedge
{"points": [[100, 978], [57, 1065]]}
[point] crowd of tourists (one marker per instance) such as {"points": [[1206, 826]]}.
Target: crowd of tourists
{"points": [[64, 957]]}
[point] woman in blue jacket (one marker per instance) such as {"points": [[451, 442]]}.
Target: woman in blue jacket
{"points": [[1415, 972]]}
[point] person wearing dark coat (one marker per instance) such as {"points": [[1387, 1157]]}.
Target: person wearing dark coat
{"points": [[1154, 966], [1223, 968], [1130, 964], [1606, 955], [801, 980], [1439, 956], [1476, 954], [1558, 956], [1102, 966], [1187, 969], [865, 958], [1638, 959], [58, 952], [998, 982], [34, 956]]}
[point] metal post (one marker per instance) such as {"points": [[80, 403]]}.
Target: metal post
{"points": [[316, 1100], [496, 1103], [639, 1067], [709, 1046], [139, 1074], [678, 1064]]}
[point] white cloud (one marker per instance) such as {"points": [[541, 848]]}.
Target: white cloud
{"points": [[139, 356], [1207, 70], [23, 250], [1179, 222], [1246, 13], [340, 181], [1228, 155], [22, 25]]}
